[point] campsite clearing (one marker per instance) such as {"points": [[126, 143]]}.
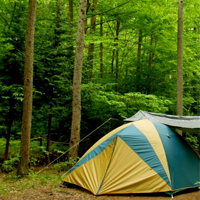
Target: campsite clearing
{"points": [[47, 186], [44, 192]]}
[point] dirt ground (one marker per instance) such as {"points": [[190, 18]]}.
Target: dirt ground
{"points": [[37, 188], [45, 193]]}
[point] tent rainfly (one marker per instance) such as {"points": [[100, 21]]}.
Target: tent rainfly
{"points": [[138, 157], [186, 123]]}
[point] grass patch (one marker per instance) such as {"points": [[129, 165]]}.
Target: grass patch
{"points": [[12, 184]]}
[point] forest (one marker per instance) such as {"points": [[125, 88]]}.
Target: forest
{"points": [[128, 63]]}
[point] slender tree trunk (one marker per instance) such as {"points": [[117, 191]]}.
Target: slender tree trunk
{"points": [[87, 28], [7, 140], [117, 69], [28, 90], [151, 54], [9, 125], [48, 138], [91, 45], [150, 64], [179, 103], [112, 63], [76, 102], [70, 53], [138, 61], [101, 48], [90, 60], [40, 140], [56, 45], [93, 20], [117, 55]]}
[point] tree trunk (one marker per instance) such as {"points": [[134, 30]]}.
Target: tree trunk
{"points": [[7, 141], [70, 53], [91, 45], [149, 69], [56, 45], [112, 63], [179, 103], [48, 138], [40, 140], [101, 48], [76, 102], [117, 55], [9, 125], [138, 61], [151, 54], [28, 90]]}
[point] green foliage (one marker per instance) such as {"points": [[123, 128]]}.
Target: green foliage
{"points": [[11, 164], [33, 161], [61, 166], [13, 150], [188, 102], [105, 104], [12, 183], [112, 96], [151, 103], [193, 140], [37, 157], [64, 166]]}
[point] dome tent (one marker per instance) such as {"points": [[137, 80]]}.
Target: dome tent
{"points": [[138, 157]]}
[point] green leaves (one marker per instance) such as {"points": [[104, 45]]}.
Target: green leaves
{"points": [[105, 104]]}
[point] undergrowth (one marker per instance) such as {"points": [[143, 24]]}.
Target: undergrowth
{"points": [[11, 183], [37, 157]]}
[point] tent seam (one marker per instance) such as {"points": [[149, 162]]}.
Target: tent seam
{"points": [[107, 166]]}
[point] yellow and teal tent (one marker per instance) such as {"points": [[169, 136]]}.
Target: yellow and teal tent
{"points": [[138, 157]]}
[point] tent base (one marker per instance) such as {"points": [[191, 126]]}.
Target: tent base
{"points": [[186, 190], [171, 193]]}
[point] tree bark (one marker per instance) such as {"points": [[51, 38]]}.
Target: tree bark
{"points": [[48, 138], [112, 63], [149, 69], [101, 48], [9, 125], [7, 140], [40, 140], [28, 90], [76, 102], [179, 105], [138, 61], [117, 55], [91, 45], [70, 53]]}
